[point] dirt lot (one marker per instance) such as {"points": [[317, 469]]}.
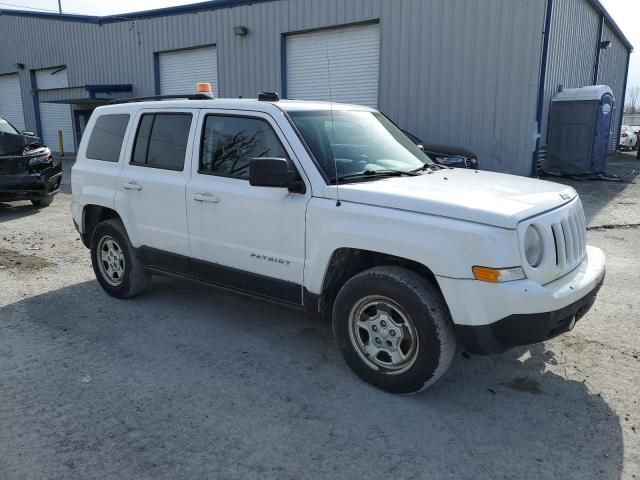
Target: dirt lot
{"points": [[190, 382]]}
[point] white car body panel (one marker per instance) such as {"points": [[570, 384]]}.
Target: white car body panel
{"points": [[157, 213], [482, 197], [448, 247], [631, 138], [247, 228], [481, 303]]}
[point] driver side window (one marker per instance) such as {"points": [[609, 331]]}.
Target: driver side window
{"points": [[229, 143]]}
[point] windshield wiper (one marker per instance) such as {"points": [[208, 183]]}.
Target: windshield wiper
{"points": [[376, 173], [428, 166]]}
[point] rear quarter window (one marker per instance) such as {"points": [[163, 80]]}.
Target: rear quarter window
{"points": [[107, 137]]}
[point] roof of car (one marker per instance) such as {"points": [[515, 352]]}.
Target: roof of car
{"points": [[245, 104]]}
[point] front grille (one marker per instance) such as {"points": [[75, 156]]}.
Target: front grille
{"points": [[563, 233], [569, 236]]}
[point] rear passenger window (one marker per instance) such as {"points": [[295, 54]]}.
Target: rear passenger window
{"points": [[229, 143], [107, 137], [161, 140]]}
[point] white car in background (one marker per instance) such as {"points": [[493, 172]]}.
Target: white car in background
{"points": [[628, 138]]}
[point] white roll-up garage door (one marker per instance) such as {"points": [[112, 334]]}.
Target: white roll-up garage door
{"points": [[53, 116], [353, 55], [11, 100], [181, 70]]}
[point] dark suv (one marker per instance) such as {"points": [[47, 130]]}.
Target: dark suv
{"points": [[445, 154], [28, 171]]}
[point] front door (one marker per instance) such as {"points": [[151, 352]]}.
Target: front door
{"points": [[151, 186], [248, 238]]}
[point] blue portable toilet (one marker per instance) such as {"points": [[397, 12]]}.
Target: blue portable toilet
{"points": [[580, 122]]}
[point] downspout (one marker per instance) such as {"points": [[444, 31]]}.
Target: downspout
{"points": [[36, 102], [596, 68], [543, 77]]}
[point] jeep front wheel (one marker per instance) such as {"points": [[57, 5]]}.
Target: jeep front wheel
{"points": [[115, 263], [393, 329]]}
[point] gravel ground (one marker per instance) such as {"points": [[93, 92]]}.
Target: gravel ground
{"points": [[190, 382]]}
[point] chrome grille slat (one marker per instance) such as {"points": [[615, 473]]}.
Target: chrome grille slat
{"points": [[561, 252], [575, 235], [568, 238]]}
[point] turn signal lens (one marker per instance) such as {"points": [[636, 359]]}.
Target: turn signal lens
{"points": [[497, 275], [485, 274]]}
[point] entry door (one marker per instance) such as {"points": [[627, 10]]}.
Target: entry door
{"points": [[151, 186], [248, 238]]}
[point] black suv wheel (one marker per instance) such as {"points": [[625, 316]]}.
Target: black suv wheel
{"points": [[394, 329], [115, 263]]}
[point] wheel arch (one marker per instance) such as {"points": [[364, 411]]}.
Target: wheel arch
{"points": [[345, 263], [92, 215]]}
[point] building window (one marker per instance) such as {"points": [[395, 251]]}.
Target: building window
{"points": [[161, 140], [106, 137]]}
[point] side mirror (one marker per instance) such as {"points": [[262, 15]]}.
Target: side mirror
{"points": [[421, 147], [28, 134], [275, 172]]}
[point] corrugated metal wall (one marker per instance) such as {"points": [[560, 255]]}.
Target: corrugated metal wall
{"points": [[575, 27], [612, 69], [462, 72], [632, 119]]}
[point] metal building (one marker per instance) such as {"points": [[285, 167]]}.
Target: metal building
{"points": [[473, 73]]}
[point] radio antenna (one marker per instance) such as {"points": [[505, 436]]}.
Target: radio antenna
{"points": [[333, 153]]}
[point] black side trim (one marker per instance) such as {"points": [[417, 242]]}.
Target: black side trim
{"points": [[222, 276], [248, 282], [161, 260], [524, 329]]}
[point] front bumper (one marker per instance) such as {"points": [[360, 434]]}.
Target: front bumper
{"points": [[491, 318], [31, 186], [524, 329]]}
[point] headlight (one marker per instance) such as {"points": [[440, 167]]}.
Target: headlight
{"points": [[40, 160], [533, 248]]}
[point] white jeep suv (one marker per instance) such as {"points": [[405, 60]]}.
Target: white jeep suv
{"points": [[332, 209]]}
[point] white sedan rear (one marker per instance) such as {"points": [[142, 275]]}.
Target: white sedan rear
{"points": [[628, 138]]}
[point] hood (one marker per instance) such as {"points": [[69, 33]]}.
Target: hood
{"points": [[484, 197], [12, 144], [449, 150]]}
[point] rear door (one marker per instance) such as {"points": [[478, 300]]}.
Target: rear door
{"points": [[151, 186], [249, 238]]}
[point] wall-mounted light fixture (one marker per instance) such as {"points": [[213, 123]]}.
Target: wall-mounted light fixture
{"points": [[605, 44], [19, 66], [241, 31]]}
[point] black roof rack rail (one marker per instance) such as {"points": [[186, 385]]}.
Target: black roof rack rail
{"points": [[193, 96]]}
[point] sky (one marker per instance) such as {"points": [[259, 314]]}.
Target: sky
{"points": [[626, 13]]}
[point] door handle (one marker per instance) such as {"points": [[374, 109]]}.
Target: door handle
{"points": [[131, 186], [205, 197]]}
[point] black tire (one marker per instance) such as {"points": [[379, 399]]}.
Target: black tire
{"points": [[133, 280], [42, 202], [426, 309]]}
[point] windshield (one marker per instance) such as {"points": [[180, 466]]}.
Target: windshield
{"points": [[5, 127], [365, 145]]}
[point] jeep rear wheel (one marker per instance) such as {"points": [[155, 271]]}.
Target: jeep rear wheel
{"points": [[115, 262], [393, 329]]}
